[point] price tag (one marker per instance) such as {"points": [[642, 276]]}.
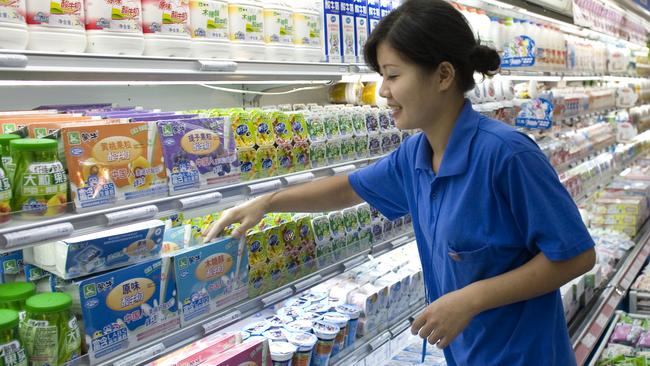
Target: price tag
{"points": [[302, 285], [343, 169], [220, 322], [13, 61], [353, 263], [217, 66], [297, 179], [258, 188], [36, 235], [141, 356], [613, 302], [131, 215], [200, 201], [382, 339], [602, 320], [589, 340], [272, 299]]}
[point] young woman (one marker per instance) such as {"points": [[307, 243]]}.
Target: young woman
{"points": [[496, 231]]}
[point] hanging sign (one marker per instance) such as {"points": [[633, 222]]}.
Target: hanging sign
{"points": [[519, 53], [535, 114]]}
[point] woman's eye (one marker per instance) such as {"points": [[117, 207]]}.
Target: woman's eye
{"points": [[391, 77]]}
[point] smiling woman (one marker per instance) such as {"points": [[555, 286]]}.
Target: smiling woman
{"points": [[497, 233]]}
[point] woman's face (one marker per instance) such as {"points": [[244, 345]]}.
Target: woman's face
{"points": [[413, 94]]}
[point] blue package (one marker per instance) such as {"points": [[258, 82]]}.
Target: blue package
{"points": [[374, 14], [210, 277], [12, 265], [348, 36], [127, 307], [360, 27], [109, 249], [385, 7], [333, 48]]}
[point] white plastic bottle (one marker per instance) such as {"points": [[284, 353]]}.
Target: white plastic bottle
{"points": [[56, 25], [246, 19], [166, 26], [495, 34], [307, 33], [209, 29], [114, 27], [278, 31], [13, 28], [484, 23]]}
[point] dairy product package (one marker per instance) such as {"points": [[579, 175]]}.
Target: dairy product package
{"points": [[110, 164], [395, 293], [198, 153], [253, 352], [11, 266], [126, 307], [374, 14], [348, 35], [266, 162], [247, 163], [92, 253], [318, 154], [333, 34], [360, 27], [199, 351], [210, 277]]}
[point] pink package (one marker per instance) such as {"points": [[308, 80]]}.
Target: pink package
{"points": [[626, 334], [644, 340], [251, 353], [199, 351]]}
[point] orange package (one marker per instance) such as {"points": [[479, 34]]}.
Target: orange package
{"points": [[117, 163], [12, 124], [41, 129]]}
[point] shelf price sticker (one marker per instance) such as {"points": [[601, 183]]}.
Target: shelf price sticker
{"points": [[535, 114], [519, 53]]}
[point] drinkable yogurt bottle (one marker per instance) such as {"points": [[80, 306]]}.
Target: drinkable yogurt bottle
{"points": [[209, 27], [13, 28], [278, 31], [114, 27], [307, 33], [166, 27], [56, 25], [246, 23]]}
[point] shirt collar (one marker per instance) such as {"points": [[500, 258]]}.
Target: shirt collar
{"points": [[456, 156]]}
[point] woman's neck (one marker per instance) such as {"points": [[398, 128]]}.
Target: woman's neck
{"points": [[439, 130]]}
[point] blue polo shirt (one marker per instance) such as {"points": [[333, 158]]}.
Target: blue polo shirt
{"points": [[495, 203]]}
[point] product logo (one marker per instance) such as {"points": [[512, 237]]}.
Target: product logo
{"points": [[263, 128], [273, 240], [267, 164], [256, 246], [76, 151], [246, 167], [348, 20], [280, 128], [10, 266], [297, 126], [183, 263], [285, 162], [90, 290], [333, 19], [92, 303], [275, 274], [242, 130], [74, 138]]}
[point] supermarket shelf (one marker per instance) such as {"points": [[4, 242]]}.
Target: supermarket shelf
{"points": [[38, 66], [220, 320], [371, 342], [600, 315], [22, 234]]}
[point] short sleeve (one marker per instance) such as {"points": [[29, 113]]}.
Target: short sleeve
{"points": [[382, 185], [543, 210]]}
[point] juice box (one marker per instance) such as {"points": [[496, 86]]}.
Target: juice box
{"points": [[333, 151], [126, 307], [285, 159], [318, 154], [42, 129], [198, 153], [384, 119], [247, 163], [97, 252], [278, 271], [300, 153], [262, 123], [275, 244], [266, 162], [210, 277], [372, 119], [281, 128], [351, 220], [359, 122], [114, 163], [321, 229], [386, 142]]}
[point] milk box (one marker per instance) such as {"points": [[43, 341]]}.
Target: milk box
{"points": [[374, 14], [333, 36], [385, 7], [348, 36], [360, 27]]}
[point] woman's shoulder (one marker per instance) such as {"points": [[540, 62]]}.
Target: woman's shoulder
{"points": [[499, 136]]}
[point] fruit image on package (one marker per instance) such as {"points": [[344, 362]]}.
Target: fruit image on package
{"points": [[374, 144], [266, 163], [298, 127], [247, 163], [300, 153], [316, 127], [348, 148], [332, 128], [346, 125], [318, 154]]}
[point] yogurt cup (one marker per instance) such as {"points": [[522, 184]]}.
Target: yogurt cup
{"points": [[275, 335], [297, 302], [278, 321], [300, 325], [340, 320], [308, 315], [326, 333], [319, 308], [305, 343], [290, 312], [256, 329], [314, 296], [282, 353], [353, 312]]}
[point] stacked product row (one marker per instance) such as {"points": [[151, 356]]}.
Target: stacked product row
{"points": [[114, 155]]}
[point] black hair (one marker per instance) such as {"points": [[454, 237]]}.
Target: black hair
{"points": [[428, 32]]}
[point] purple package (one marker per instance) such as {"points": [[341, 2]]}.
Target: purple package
{"points": [[66, 107], [198, 153], [626, 334], [644, 340], [163, 117], [109, 114], [109, 109]]}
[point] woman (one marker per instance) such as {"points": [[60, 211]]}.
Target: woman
{"points": [[497, 233]]}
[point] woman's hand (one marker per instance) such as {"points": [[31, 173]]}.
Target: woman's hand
{"points": [[444, 319], [247, 214]]}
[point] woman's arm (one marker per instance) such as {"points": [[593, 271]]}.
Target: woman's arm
{"points": [[446, 317], [327, 194]]}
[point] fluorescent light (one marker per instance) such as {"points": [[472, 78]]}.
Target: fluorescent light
{"points": [[4, 83]]}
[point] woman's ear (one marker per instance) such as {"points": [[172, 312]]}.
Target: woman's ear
{"points": [[447, 75]]}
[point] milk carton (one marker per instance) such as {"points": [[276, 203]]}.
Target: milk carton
{"points": [[360, 26], [348, 36], [385, 7], [333, 37], [374, 14]]}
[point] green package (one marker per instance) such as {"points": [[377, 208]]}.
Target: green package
{"points": [[257, 244], [350, 220], [321, 229], [13, 353], [266, 163], [276, 245], [262, 123], [337, 223], [333, 151], [247, 162], [285, 159], [348, 148], [14, 294], [245, 132], [301, 157], [361, 146], [315, 127], [359, 123], [318, 154], [298, 127], [345, 124], [364, 215], [332, 129], [281, 127]]}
